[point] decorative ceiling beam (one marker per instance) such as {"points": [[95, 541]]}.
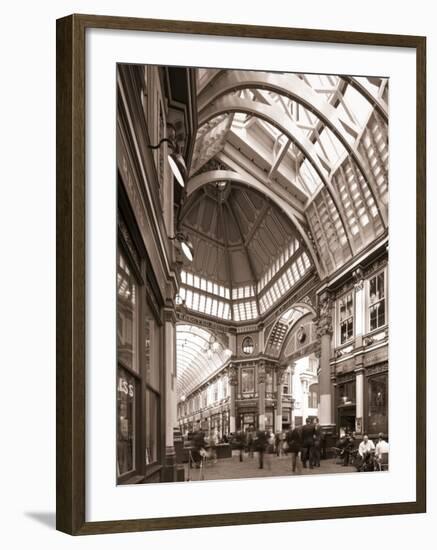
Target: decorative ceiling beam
{"points": [[278, 158], [296, 89], [379, 104], [220, 175], [249, 259], [289, 128]]}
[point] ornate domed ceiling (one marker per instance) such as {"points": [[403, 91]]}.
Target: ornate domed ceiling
{"points": [[237, 233]]}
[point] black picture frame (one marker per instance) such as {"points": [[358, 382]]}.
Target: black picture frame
{"points": [[71, 279]]}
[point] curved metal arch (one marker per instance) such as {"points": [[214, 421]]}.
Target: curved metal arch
{"points": [[288, 335], [219, 175], [219, 335], [266, 80], [306, 97], [291, 130], [379, 104], [295, 305], [192, 358]]}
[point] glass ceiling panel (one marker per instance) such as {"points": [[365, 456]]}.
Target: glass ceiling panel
{"points": [[198, 355]]}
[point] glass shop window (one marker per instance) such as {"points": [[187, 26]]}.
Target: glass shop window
{"points": [[269, 381], [153, 361], [346, 394], [248, 380], [313, 396], [152, 426], [378, 401], [377, 301], [346, 317], [127, 316], [126, 394]]}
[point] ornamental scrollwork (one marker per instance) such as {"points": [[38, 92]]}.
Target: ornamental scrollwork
{"points": [[324, 317], [261, 373], [233, 375]]}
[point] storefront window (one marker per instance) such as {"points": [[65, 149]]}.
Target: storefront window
{"points": [[269, 381], [125, 422], [152, 427], [378, 410], [346, 393], [377, 301], [152, 330], [127, 323], [248, 380], [269, 421], [313, 396]]}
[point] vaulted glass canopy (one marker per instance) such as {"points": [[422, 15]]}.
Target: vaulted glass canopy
{"points": [[199, 355], [317, 145]]}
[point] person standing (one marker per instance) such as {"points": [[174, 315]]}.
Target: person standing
{"points": [[240, 443], [381, 451], [294, 446], [250, 439], [315, 459], [261, 445], [307, 443]]}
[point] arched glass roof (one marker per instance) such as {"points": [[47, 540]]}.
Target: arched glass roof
{"points": [[318, 143], [199, 354]]}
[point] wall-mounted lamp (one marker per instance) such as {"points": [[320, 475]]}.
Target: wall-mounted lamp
{"points": [[186, 245], [175, 159]]}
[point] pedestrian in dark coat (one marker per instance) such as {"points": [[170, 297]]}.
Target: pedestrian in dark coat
{"points": [[261, 445], [308, 443], [294, 444]]}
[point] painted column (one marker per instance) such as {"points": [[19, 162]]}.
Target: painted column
{"points": [[304, 407], [279, 383], [359, 415], [169, 473], [293, 393], [360, 319], [324, 332], [233, 383], [261, 396]]}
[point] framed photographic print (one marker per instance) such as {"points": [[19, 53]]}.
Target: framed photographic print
{"points": [[240, 274]]}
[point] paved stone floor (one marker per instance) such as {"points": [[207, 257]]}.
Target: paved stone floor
{"points": [[232, 468]]}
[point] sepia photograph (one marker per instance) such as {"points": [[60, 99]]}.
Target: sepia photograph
{"points": [[252, 274]]}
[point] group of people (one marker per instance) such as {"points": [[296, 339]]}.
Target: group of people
{"points": [[305, 442], [301, 442], [366, 455]]}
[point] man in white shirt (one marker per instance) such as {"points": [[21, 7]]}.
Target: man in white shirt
{"points": [[382, 447], [366, 446]]}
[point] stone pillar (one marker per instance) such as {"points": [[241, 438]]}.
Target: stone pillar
{"points": [[280, 371], [324, 332], [304, 407], [360, 310], [169, 470], [360, 319], [359, 389], [233, 383], [292, 391], [261, 396]]}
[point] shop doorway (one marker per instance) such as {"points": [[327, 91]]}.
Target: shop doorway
{"points": [[346, 418]]}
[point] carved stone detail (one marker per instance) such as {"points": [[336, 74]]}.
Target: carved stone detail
{"points": [[324, 318], [261, 373], [233, 375]]}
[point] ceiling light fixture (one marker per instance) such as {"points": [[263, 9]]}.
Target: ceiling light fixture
{"points": [[185, 244], [175, 159]]}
